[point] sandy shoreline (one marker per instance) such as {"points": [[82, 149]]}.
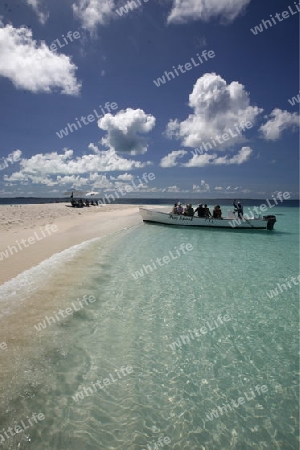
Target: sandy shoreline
{"points": [[52, 277], [29, 234]]}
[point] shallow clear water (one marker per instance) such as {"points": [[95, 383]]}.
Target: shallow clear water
{"points": [[136, 320]]}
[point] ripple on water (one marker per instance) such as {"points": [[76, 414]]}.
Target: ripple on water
{"points": [[171, 391]]}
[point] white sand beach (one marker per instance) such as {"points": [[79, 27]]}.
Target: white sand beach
{"points": [[29, 234]]}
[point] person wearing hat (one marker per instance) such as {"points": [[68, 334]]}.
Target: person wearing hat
{"points": [[240, 210], [179, 208], [174, 209], [188, 210], [238, 207]]}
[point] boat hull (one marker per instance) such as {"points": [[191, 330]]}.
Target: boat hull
{"points": [[150, 215]]}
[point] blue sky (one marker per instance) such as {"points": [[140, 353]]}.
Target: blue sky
{"points": [[225, 125]]}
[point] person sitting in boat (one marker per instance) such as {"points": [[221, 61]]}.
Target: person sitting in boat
{"points": [[207, 212], [217, 212], [174, 209], [188, 210], [179, 208], [238, 207], [200, 210]]}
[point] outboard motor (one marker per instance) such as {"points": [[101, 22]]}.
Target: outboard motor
{"points": [[270, 221]]}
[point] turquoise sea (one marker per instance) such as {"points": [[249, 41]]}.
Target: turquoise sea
{"points": [[231, 384]]}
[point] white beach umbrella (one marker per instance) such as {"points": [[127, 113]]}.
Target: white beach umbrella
{"points": [[90, 194]]}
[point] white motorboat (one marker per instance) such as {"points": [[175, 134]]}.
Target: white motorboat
{"points": [[233, 222]]}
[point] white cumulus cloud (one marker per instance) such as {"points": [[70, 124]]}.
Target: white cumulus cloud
{"points": [[241, 157], [203, 160], [218, 108], [39, 9], [188, 10], [172, 189], [92, 13], [278, 122], [124, 130], [204, 187], [32, 66], [171, 159], [61, 169], [125, 177]]}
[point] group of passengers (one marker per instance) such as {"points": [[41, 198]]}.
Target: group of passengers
{"points": [[201, 210], [81, 203]]}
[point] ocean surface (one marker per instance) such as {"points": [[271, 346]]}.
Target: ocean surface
{"points": [[182, 339], [146, 201]]}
